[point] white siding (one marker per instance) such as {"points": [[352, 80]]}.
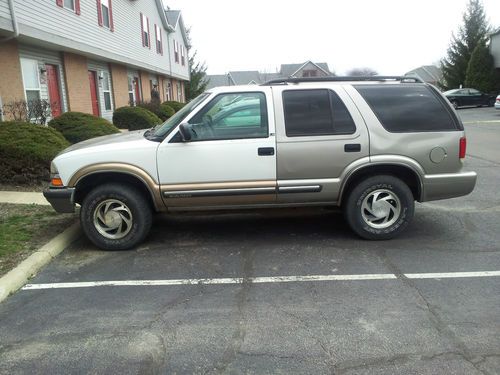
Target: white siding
{"points": [[5, 11], [43, 19], [178, 70], [100, 67], [47, 57]]}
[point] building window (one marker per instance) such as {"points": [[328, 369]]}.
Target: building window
{"points": [[31, 79], [69, 4], [179, 92], [176, 51], [72, 5], [146, 41], [131, 91], [183, 55], [158, 37], [106, 91], [310, 73], [168, 91]]}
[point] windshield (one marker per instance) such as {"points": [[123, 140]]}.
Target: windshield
{"points": [[162, 129]]}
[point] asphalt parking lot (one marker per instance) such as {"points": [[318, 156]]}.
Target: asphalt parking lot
{"points": [[240, 293]]}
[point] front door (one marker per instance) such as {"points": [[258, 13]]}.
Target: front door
{"points": [[54, 92], [231, 158], [93, 93]]}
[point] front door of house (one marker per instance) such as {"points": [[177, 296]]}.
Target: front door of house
{"points": [[54, 92], [93, 93]]}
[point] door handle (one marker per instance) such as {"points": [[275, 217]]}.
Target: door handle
{"points": [[352, 147], [265, 151]]}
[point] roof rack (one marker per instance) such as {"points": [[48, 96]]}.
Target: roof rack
{"points": [[284, 81]]}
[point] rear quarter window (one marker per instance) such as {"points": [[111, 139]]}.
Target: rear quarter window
{"points": [[409, 108]]}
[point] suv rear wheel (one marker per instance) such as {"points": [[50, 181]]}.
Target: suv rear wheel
{"points": [[379, 208], [115, 217]]}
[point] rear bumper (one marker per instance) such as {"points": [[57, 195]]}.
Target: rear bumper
{"points": [[443, 186], [61, 199]]}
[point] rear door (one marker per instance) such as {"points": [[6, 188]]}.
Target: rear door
{"points": [[319, 133], [231, 159]]}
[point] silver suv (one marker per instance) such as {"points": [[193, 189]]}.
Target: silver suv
{"points": [[372, 146]]}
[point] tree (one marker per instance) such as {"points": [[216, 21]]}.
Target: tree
{"points": [[359, 72], [481, 70], [473, 32], [198, 73], [198, 82]]}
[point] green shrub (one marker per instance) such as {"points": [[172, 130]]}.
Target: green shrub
{"points": [[163, 111], [26, 151], [175, 105], [166, 111], [77, 126], [133, 118]]}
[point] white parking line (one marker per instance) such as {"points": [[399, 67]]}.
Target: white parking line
{"points": [[449, 275], [259, 280]]}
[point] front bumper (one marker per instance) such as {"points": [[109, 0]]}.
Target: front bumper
{"points": [[450, 185], [61, 199]]}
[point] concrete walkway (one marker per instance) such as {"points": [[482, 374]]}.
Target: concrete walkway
{"points": [[21, 197]]}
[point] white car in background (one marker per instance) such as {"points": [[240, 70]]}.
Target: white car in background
{"points": [[497, 102]]}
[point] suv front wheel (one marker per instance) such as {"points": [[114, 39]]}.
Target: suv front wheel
{"points": [[115, 217], [379, 207]]}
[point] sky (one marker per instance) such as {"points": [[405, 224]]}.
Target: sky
{"points": [[390, 36]]}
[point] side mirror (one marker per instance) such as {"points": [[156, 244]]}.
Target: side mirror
{"points": [[185, 131]]}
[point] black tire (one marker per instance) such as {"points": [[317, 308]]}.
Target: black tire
{"points": [[137, 211], [391, 190], [491, 102], [454, 103]]}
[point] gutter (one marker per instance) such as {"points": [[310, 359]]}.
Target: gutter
{"points": [[15, 26]]}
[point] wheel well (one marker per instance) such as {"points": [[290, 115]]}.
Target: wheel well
{"points": [[87, 183], [405, 174]]}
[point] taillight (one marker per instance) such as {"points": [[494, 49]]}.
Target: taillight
{"points": [[463, 146]]}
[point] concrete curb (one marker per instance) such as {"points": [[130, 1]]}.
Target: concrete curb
{"points": [[16, 278]]}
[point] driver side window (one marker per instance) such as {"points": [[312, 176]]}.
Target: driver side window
{"points": [[232, 116]]}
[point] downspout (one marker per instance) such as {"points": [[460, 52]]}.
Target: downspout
{"points": [[15, 32]]}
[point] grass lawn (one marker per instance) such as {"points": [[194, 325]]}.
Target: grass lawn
{"points": [[25, 228]]}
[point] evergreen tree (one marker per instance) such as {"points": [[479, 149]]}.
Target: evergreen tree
{"points": [[198, 82], [473, 32], [198, 73], [481, 73]]}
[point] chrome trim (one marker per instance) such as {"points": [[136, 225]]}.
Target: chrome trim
{"points": [[307, 182], [299, 189], [218, 192]]}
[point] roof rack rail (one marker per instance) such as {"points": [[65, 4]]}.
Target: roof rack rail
{"points": [[284, 81]]}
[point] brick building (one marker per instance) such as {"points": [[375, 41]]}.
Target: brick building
{"points": [[91, 55]]}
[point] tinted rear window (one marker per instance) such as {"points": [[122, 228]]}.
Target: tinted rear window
{"points": [[315, 112], [407, 108]]}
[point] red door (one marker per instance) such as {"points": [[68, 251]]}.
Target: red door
{"points": [[54, 93], [93, 93], [137, 90]]}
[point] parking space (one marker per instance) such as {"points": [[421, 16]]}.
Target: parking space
{"points": [[285, 291]]}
